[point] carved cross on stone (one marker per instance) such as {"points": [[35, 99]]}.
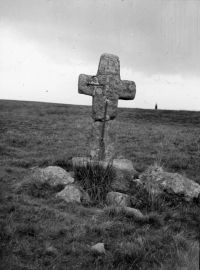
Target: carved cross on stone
{"points": [[105, 88]]}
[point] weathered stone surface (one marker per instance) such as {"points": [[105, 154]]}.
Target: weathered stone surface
{"points": [[130, 212], [125, 173], [156, 180], [117, 199], [105, 148], [105, 88], [106, 85], [74, 193], [123, 165], [70, 193], [109, 64], [54, 175], [85, 85], [99, 248], [127, 91], [98, 105]]}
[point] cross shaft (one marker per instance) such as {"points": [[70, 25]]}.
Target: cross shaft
{"points": [[106, 88]]}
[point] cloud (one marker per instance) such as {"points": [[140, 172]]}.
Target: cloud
{"points": [[149, 36], [46, 44]]}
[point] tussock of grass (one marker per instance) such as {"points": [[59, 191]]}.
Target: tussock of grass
{"points": [[96, 180]]}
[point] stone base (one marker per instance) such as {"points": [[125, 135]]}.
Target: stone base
{"points": [[123, 168], [125, 173], [83, 161]]}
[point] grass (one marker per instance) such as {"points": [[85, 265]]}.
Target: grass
{"points": [[96, 180], [40, 231]]}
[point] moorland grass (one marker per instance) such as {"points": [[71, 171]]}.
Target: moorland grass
{"points": [[40, 231], [96, 180]]}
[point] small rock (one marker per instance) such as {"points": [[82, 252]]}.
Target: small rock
{"points": [[127, 211], [117, 199], [50, 249], [74, 193], [85, 198], [70, 193], [133, 212], [99, 247], [54, 175]]}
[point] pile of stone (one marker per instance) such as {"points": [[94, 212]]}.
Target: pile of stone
{"points": [[57, 176], [155, 180]]}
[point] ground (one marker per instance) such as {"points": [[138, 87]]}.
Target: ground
{"points": [[39, 231]]}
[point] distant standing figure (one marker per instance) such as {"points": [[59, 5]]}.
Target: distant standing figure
{"points": [[156, 106]]}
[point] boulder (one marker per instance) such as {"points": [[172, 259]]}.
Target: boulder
{"points": [[54, 175], [117, 199], [74, 193], [156, 180], [99, 248], [125, 173], [70, 193]]}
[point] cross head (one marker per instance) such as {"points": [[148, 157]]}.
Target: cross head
{"points": [[106, 86]]}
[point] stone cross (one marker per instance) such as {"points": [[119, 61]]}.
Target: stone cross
{"points": [[106, 88]]}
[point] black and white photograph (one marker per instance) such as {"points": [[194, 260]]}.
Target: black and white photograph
{"points": [[100, 134]]}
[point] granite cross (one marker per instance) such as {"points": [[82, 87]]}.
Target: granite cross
{"points": [[105, 88]]}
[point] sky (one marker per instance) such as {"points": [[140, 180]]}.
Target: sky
{"points": [[46, 44]]}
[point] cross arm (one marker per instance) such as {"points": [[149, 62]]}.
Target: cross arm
{"points": [[127, 90], [84, 84]]}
